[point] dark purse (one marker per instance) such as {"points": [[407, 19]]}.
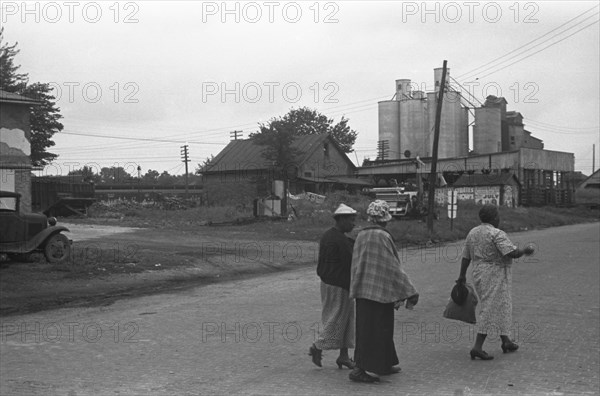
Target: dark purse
{"points": [[464, 312], [459, 293]]}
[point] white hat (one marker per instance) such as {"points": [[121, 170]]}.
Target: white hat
{"points": [[344, 210]]}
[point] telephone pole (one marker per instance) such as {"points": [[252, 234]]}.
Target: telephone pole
{"points": [[184, 156], [383, 147], [234, 135], [434, 158]]}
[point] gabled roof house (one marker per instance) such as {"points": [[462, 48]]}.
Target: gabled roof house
{"points": [[241, 173]]}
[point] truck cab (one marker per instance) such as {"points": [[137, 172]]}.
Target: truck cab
{"points": [[400, 201]]}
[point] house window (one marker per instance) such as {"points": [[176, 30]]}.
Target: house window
{"points": [[307, 174], [326, 149]]}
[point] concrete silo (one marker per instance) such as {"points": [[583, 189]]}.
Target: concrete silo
{"points": [[414, 135], [454, 122], [407, 122], [389, 126], [489, 126]]}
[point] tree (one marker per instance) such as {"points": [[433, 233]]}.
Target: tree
{"points": [[114, 175], [306, 121], [87, 175], [44, 118], [151, 177], [165, 179], [202, 167], [277, 136]]}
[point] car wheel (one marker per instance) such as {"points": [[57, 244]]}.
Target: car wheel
{"points": [[57, 248]]}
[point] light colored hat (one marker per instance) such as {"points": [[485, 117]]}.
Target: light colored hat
{"points": [[379, 211], [344, 210]]}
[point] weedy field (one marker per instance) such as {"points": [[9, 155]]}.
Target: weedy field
{"points": [[311, 219], [174, 249]]}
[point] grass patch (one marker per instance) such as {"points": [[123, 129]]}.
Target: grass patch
{"points": [[312, 219]]}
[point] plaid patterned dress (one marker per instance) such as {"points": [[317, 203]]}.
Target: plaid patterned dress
{"points": [[377, 281], [486, 246], [376, 272]]}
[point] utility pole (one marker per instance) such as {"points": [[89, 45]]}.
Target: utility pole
{"points": [[139, 169], [594, 159], [234, 135], [383, 147], [436, 139], [184, 156]]}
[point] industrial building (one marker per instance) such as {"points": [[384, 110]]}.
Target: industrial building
{"points": [[501, 144]]}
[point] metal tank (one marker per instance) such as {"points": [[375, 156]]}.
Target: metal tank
{"points": [[487, 130]]}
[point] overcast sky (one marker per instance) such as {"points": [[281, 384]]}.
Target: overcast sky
{"points": [[179, 72]]}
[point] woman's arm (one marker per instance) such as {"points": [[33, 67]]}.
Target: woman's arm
{"points": [[464, 264], [528, 250]]}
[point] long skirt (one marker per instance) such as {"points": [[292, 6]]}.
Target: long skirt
{"points": [[337, 317], [375, 350], [493, 286]]}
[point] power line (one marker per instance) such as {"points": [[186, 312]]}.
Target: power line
{"points": [[138, 139], [525, 45], [530, 55]]}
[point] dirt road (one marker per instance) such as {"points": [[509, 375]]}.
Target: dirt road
{"points": [[251, 336], [109, 263]]}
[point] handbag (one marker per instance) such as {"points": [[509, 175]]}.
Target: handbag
{"points": [[464, 312]]}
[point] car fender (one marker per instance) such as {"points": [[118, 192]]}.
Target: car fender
{"points": [[38, 240], [34, 243]]}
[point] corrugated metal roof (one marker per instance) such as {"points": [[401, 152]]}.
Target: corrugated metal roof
{"points": [[479, 179], [10, 97], [247, 155]]}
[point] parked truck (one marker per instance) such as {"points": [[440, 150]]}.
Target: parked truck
{"points": [[402, 203]]}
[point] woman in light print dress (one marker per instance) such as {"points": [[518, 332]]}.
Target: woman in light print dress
{"points": [[491, 252]]}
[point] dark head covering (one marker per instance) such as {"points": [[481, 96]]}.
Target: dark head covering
{"points": [[488, 213]]}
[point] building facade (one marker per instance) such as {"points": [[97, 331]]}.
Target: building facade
{"points": [[15, 146], [240, 173]]}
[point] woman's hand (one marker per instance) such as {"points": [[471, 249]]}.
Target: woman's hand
{"points": [[412, 301], [529, 250]]}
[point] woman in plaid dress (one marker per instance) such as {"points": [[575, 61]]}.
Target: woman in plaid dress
{"points": [[379, 285]]}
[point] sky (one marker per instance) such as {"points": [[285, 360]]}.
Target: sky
{"points": [[137, 80]]}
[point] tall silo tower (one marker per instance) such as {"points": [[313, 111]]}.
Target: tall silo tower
{"points": [[454, 122], [389, 126], [488, 127]]}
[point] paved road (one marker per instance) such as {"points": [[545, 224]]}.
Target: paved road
{"points": [[252, 336]]}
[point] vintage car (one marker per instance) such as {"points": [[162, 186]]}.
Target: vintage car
{"points": [[22, 234]]}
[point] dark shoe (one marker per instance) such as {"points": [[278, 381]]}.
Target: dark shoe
{"points": [[359, 375], [480, 354], [345, 362], [509, 347], [392, 370], [316, 354]]}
